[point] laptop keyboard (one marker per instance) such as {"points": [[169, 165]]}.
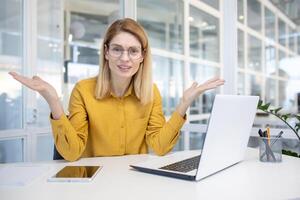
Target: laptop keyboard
{"points": [[184, 165]]}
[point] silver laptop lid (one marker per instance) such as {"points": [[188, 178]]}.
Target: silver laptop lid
{"points": [[228, 133]]}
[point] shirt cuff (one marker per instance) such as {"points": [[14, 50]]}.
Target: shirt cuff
{"points": [[55, 123], [177, 121]]}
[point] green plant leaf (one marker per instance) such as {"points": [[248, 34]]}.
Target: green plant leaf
{"points": [[265, 107], [278, 115], [259, 104], [289, 153], [282, 117], [297, 127], [276, 110], [285, 116]]}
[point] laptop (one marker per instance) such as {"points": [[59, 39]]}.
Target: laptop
{"points": [[225, 143]]}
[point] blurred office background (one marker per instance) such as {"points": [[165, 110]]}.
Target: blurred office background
{"points": [[253, 44]]}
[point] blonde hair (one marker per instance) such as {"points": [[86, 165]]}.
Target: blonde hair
{"points": [[142, 79]]}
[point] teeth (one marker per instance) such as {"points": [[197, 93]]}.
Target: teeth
{"points": [[123, 67]]}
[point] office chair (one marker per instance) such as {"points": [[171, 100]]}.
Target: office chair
{"points": [[56, 154]]}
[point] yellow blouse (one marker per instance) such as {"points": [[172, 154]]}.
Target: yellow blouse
{"points": [[113, 126]]}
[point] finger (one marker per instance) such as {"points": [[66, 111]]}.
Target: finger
{"points": [[217, 82], [212, 80], [22, 79], [211, 85], [15, 75], [12, 74], [214, 85], [221, 82], [194, 84], [36, 78]]}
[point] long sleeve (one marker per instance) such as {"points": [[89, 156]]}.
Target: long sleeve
{"points": [[71, 134], [162, 136], [113, 126]]}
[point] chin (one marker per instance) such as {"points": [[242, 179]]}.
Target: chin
{"points": [[125, 75]]}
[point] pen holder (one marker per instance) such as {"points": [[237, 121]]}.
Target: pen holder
{"points": [[270, 149]]}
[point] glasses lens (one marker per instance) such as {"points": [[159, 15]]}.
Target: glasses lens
{"points": [[116, 51], [133, 52]]}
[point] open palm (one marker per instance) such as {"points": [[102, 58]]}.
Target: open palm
{"points": [[190, 94], [37, 84]]}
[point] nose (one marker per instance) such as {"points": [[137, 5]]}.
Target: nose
{"points": [[125, 55]]}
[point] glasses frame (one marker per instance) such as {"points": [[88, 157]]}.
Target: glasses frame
{"points": [[107, 48]]}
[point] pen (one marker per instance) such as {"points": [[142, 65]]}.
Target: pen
{"points": [[277, 137], [260, 133], [265, 134], [268, 135]]}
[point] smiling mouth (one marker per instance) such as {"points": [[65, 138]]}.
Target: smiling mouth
{"points": [[124, 67]]}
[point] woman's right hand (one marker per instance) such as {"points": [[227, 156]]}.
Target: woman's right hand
{"points": [[45, 89], [37, 84]]}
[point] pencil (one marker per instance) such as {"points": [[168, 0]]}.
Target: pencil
{"points": [[268, 135]]}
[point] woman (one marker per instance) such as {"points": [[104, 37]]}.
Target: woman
{"points": [[120, 111]]}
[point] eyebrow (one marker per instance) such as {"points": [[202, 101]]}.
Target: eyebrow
{"points": [[123, 47]]}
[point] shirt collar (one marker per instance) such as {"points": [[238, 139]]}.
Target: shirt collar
{"points": [[127, 93]]}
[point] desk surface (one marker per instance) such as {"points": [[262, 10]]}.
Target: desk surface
{"points": [[249, 179]]}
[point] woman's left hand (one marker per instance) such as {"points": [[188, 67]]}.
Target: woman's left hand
{"points": [[190, 94]]}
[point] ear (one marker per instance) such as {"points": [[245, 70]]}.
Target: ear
{"points": [[105, 52], [143, 57], [142, 60]]}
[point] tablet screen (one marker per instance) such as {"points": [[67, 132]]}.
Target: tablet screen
{"points": [[76, 173]]}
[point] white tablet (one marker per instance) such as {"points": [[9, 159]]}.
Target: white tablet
{"points": [[75, 174]]}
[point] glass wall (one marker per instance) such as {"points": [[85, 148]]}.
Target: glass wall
{"points": [[84, 31], [44, 147], [271, 61], [204, 35], [254, 54], [240, 11], [49, 53], [213, 3], [281, 32], [11, 96], [241, 49], [166, 33], [255, 83], [200, 73], [11, 35], [271, 91], [254, 15], [168, 77], [185, 47], [11, 150], [241, 83], [270, 24]]}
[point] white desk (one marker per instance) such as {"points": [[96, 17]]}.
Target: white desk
{"points": [[250, 179]]}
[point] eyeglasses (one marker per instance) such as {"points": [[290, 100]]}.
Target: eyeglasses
{"points": [[117, 51]]}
